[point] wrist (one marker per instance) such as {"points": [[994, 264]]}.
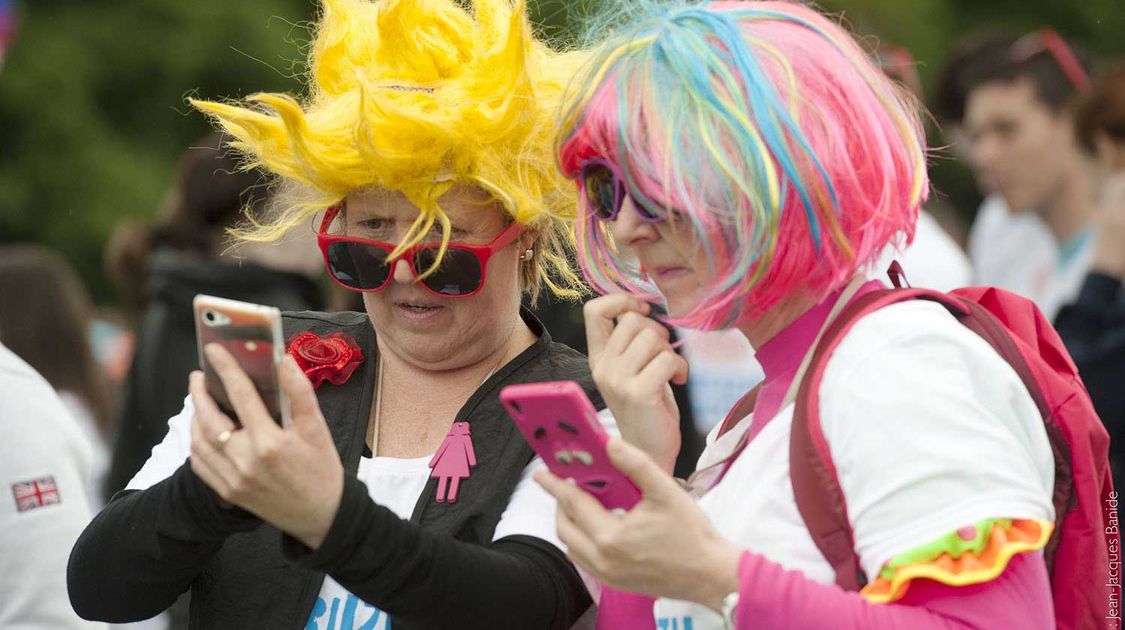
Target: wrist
{"points": [[720, 576], [323, 517], [667, 460], [210, 511], [661, 451]]}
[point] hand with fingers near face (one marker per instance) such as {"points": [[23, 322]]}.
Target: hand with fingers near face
{"points": [[632, 362], [664, 547], [293, 477]]}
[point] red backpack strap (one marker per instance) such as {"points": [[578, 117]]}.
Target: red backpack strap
{"points": [[741, 409], [709, 473], [816, 486], [978, 319]]}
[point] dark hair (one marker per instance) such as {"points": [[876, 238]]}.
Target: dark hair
{"points": [[1024, 59], [210, 194], [45, 317], [1102, 109], [970, 59]]}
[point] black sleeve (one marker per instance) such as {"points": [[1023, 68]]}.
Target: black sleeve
{"points": [[1093, 326], [430, 580], [147, 546], [1093, 329]]}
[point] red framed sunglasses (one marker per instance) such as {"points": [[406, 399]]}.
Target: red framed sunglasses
{"points": [[363, 265]]}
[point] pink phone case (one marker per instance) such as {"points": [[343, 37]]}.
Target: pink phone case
{"points": [[562, 426]]}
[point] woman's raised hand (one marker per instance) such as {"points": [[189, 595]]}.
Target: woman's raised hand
{"points": [[633, 362], [665, 546], [291, 477]]}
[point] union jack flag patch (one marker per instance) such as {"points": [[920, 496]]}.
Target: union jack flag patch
{"points": [[36, 493]]}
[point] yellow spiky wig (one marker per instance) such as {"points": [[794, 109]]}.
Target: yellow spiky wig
{"points": [[417, 96]]}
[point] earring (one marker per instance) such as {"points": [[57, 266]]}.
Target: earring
{"points": [[527, 254]]}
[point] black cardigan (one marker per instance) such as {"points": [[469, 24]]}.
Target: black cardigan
{"points": [[440, 569]]}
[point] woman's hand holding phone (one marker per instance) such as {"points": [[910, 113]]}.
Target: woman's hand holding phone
{"points": [[632, 362], [290, 477], [665, 546]]}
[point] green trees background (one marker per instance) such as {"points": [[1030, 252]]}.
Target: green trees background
{"points": [[92, 97]]}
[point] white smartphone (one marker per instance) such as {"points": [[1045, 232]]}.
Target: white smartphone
{"points": [[251, 333]]}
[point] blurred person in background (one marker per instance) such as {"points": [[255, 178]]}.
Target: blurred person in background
{"points": [[1020, 139], [47, 456], [45, 319], [1093, 326], [112, 338], [159, 268], [45, 460], [967, 61], [970, 59]]}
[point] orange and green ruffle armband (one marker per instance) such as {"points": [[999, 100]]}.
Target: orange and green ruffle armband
{"points": [[971, 555]]}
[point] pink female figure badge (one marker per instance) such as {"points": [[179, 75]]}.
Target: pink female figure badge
{"points": [[452, 461]]}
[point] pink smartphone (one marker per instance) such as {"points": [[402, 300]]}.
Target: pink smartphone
{"points": [[562, 426], [252, 334]]}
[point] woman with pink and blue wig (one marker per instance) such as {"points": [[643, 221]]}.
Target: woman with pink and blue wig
{"points": [[741, 163]]}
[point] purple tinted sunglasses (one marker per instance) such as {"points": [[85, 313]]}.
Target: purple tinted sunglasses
{"points": [[604, 191]]}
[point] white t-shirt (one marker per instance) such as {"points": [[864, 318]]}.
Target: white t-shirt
{"points": [[391, 482], [1017, 252], [44, 467], [929, 429]]}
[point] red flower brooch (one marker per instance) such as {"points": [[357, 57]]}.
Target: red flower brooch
{"points": [[332, 358]]}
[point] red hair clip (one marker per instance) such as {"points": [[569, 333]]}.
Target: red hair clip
{"points": [[1048, 40]]}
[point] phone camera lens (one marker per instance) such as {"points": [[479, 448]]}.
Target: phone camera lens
{"points": [[210, 317]]}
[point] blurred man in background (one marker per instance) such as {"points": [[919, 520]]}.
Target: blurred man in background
{"points": [[1019, 133]]}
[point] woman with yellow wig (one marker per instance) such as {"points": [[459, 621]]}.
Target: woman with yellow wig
{"points": [[400, 491]]}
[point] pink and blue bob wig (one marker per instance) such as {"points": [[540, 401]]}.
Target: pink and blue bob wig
{"points": [[767, 130]]}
